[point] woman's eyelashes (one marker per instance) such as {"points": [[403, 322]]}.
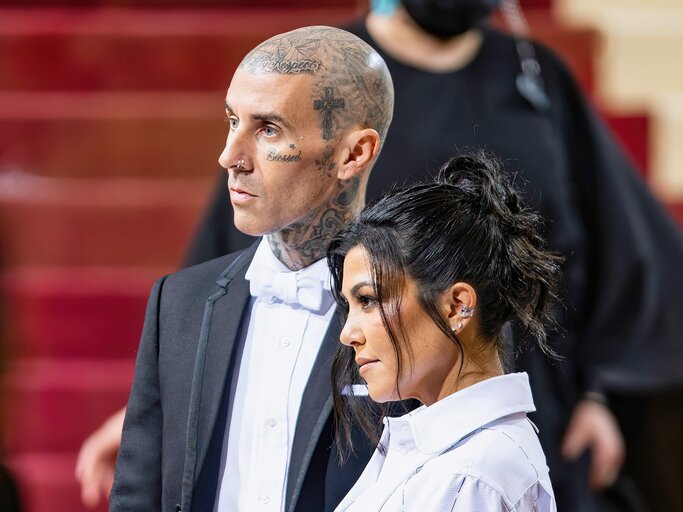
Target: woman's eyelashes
{"points": [[366, 301]]}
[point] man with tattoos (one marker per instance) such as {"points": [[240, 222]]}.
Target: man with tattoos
{"points": [[231, 404]]}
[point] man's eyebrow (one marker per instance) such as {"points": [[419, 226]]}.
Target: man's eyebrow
{"points": [[271, 117], [265, 117]]}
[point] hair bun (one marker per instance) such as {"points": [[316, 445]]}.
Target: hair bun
{"points": [[482, 176], [461, 169]]}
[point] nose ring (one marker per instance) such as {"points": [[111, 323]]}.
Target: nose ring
{"points": [[240, 164]]}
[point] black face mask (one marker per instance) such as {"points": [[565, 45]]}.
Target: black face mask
{"points": [[447, 18]]}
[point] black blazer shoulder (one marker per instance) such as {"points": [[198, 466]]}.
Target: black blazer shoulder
{"points": [[204, 279]]}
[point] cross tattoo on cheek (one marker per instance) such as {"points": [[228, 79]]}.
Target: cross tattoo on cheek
{"points": [[327, 105]]}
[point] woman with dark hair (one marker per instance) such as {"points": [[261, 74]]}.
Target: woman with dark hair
{"points": [[428, 276]]}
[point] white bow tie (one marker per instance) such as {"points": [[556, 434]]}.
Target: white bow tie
{"points": [[289, 287]]}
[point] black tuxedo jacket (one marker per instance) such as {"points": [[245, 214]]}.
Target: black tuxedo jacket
{"points": [[177, 412]]}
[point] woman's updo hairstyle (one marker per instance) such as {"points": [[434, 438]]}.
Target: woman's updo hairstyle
{"points": [[467, 225], [499, 248]]}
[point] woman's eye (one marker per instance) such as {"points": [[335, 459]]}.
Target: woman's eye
{"points": [[367, 301]]}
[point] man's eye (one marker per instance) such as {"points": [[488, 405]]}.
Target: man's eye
{"points": [[232, 121], [269, 131]]}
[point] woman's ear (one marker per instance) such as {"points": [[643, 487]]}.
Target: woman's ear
{"points": [[359, 149], [460, 302]]}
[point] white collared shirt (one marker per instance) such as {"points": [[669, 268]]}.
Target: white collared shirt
{"points": [[474, 450], [281, 345]]}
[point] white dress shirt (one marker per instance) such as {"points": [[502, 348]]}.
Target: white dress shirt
{"points": [[473, 451], [281, 345]]}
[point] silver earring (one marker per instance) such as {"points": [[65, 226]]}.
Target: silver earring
{"points": [[459, 324], [240, 164], [466, 312]]}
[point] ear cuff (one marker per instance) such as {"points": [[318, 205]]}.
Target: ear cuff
{"points": [[465, 312]]}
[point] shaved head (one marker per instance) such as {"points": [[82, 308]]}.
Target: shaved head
{"points": [[307, 112], [351, 83]]}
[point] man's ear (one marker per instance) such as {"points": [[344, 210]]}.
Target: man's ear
{"points": [[358, 150]]}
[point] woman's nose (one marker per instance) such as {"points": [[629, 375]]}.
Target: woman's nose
{"points": [[351, 334]]}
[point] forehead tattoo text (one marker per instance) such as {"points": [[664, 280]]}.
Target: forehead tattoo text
{"points": [[287, 54]]}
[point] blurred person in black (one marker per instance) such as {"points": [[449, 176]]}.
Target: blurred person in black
{"points": [[461, 84]]}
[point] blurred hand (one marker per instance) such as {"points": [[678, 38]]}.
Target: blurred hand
{"points": [[593, 427], [96, 460]]}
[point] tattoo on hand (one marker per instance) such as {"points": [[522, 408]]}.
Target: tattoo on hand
{"points": [[275, 156]]}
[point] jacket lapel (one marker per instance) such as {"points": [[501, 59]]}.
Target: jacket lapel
{"points": [[223, 332], [316, 407], [223, 314]]}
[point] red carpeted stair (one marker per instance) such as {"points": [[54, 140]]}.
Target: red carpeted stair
{"points": [[69, 313], [110, 128], [97, 221]]}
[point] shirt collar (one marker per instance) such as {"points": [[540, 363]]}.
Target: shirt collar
{"points": [[264, 258], [267, 270], [444, 423]]}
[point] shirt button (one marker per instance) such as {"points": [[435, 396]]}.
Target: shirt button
{"points": [[405, 429], [284, 342], [402, 450], [271, 422], [264, 498]]}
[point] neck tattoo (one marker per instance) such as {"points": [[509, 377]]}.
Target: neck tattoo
{"points": [[303, 243]]}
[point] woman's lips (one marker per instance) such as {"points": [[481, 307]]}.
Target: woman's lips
{"points": [[364, 366]]}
